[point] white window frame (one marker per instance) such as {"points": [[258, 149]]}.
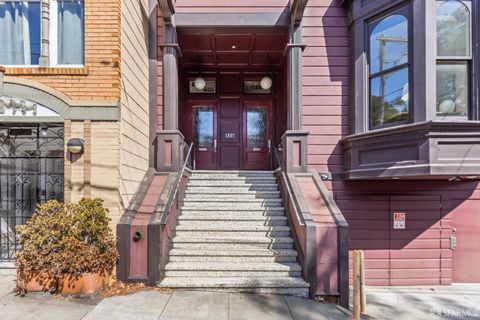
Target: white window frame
{"points": [[53, 38]]}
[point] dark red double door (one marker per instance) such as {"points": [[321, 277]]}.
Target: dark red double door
{"points": [[231, 135]]}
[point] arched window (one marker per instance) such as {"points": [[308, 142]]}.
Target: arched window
{"points": [[453, 57], [389, 70]]}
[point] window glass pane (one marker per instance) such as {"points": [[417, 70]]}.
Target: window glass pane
{"points": [[257, 127], [70, 32], [203, 126], [389, 99], [452, 89], [453, 28], [19, 33], [389, 43]]}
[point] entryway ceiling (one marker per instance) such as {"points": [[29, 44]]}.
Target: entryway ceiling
{"points": [[233, 49]]}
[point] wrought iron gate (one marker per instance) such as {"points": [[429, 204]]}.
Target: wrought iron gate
{"points": [[31, 172]]}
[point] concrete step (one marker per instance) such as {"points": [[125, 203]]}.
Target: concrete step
{"points": [[232, 259], [235, 253], [224, 273], [223, 183], [231, 197], [232, 189], [225, 213], [232, 172], [229, 226], [231, 243], [229, 266], [227, 177], [212, 205], [275, 285], [265, 220], [245, 233], [229, 269]]}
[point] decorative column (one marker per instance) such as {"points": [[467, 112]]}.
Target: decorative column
{"points": [[295, 141], [170, 141], [45, 42]]}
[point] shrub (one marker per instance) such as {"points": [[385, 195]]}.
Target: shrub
{"points": [[65, 240]]}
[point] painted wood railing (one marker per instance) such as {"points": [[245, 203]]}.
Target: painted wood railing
{"points": [[319, 230]]}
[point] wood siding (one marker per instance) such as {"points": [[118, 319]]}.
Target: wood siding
{"points": [[135, 97], [420, 254]]}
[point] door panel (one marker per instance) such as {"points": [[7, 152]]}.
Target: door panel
{"points": [[204, 136], [257, 136], [230, 134], [466, 256]]}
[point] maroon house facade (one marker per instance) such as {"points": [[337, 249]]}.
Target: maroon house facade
{"points": [[367, 121]]}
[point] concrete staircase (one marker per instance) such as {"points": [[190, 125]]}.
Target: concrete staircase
{"points": [[233, 235]]}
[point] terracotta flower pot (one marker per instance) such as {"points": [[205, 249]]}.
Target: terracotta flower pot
{"points": [[36, 281], [85, 284]]}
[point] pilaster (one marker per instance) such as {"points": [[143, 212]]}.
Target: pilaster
{"points": [[45, 55], [295, 151]]}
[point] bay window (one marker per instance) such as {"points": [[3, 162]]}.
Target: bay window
{"points": [[415, 104], [21, 32]]}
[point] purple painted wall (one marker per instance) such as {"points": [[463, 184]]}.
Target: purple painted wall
{"points": [[420, 254]]}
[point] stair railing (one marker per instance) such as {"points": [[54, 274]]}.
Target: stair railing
{"points": [[173, 199], [288, 187]]}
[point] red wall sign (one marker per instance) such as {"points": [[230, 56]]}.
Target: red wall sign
{"points": [[399, 220]]}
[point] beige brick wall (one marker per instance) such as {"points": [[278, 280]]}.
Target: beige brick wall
{"points": [[135, 101], [96, 173], [100, 78]]}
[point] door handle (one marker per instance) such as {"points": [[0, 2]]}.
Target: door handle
{"points": [[269, 145], [214, 145]]}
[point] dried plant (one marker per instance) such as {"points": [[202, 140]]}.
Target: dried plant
{"points": [[65, 240]]}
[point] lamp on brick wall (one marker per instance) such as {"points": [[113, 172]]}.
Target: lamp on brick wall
{"points": [[75, 145]]}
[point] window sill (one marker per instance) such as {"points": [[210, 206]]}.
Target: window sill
{"points": [[64, 71], [428, 150]]}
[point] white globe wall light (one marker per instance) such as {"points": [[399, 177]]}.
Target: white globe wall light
{"points": [[266, 83], [199, 83]]}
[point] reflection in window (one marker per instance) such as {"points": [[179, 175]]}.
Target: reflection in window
{"points": [[257, 127], [20, 33], [203, 126], [389, 70], [453, 29], [389, 98], [452, 89], [453, 57]]}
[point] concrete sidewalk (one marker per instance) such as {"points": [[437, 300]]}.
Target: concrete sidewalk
{"points": [[153, 305], [399, 303], [418, 303]]}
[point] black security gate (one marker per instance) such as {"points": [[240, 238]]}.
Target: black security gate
{"points": [[31, 172]]}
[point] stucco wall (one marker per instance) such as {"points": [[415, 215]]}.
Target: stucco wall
{"points": [[135, 97]]}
